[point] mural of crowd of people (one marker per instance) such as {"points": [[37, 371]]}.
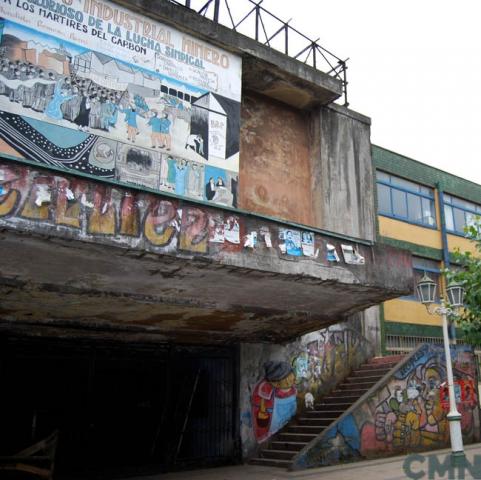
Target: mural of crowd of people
{"points": [[407, 414], [78, 109]]}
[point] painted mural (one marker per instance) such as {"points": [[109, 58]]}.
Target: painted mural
{"points": [[274, 399], [36, 199], [280, 381], [91, 87], [405, 415]]}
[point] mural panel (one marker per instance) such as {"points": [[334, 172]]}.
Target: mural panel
{"points": [[89, 86], [406, 414], [280, 381]]}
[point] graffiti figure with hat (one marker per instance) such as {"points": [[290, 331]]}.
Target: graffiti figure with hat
{"points": [[274, 399]]}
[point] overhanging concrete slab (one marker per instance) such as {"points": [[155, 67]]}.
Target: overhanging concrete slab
{"points": [[115, 258]]}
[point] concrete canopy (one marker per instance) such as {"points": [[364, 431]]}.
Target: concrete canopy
{"points": [[167, 279]]}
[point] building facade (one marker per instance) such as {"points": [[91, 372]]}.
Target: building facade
{"points": [[178, 208], [424, 210]]}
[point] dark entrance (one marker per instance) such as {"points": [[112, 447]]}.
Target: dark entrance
{"points": [[120, 407]]}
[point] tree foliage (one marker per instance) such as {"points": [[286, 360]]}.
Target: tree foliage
{"points": [[469, 276]]}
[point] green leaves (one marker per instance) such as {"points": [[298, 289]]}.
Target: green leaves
{"points": [[468, 274]]}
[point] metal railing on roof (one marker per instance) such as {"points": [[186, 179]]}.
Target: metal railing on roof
{"points": [[266, 28]]}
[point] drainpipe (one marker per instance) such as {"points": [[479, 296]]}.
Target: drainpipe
{"points": [[445, 248]]}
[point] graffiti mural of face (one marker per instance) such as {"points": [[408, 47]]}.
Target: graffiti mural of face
{"points": [[413, 389], [273, 400]]}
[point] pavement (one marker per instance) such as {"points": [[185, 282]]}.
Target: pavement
{"points": [[427, 466]]}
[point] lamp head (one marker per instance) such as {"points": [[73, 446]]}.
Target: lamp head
{"points": [[455, 293], [426, 290]]}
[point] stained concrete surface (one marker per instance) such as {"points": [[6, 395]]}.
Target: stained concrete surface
{"points": [[382, 469]]}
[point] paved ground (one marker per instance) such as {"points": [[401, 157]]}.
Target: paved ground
{"points": [[383, 469]]}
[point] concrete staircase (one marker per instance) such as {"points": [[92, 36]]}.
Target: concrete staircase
{"points": [[284, 445]]}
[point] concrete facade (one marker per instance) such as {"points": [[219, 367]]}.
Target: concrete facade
{"points": [[100, 261], [155, 258]]}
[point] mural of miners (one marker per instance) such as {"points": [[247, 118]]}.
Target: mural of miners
{"points": [[156, 123], [62, 85], [165, 124], [62, 93], [274, 399], [131, 121], [82, 118]]}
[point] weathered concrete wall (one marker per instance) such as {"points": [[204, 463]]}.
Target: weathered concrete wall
{"points": [[402, 413], [318, 360], [342, 172], [275, 169], [371, 328], [312, 168]]}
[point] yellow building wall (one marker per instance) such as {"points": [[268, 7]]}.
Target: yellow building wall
{"points": [[465, 245], [398, 230], [408, 311]]}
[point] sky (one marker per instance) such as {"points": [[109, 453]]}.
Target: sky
{"points": [[414, 68]]}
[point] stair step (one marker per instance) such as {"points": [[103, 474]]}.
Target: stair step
{"points": [[364, 379], [333, 406], [364, 369], [291, 446], [271, 462], [277, 454], [388, 359], [324, 413], [338, 398], [356, 382], [313, 421], [358, 392], [295, 437], [315, 429]]}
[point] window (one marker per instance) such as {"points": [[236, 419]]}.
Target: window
{"points": [[82, 65], [459, 213], [420, 267], [406, 200]]}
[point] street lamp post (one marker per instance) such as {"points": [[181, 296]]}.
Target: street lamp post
{"points": [[426, 290]]}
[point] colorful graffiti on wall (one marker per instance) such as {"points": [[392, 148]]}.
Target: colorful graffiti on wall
{"points": [[274, 399], [404, 415], [93, 211], [316, 363], [153, 107], [323, 361]]}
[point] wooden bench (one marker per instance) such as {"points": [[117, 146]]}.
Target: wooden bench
{"points": [[38, 460]]}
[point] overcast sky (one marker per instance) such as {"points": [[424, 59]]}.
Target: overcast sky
{"points": [[414, 68]]}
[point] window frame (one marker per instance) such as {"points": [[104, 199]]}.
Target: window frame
{"points": [[449, 203], [422, 270], [389, 184]]}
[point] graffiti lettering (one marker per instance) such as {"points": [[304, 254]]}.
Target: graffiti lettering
{"points": [[102, 218], [68, 208], [194, 230]]}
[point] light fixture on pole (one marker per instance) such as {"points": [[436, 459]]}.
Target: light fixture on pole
{"points": [[426, 289]]}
